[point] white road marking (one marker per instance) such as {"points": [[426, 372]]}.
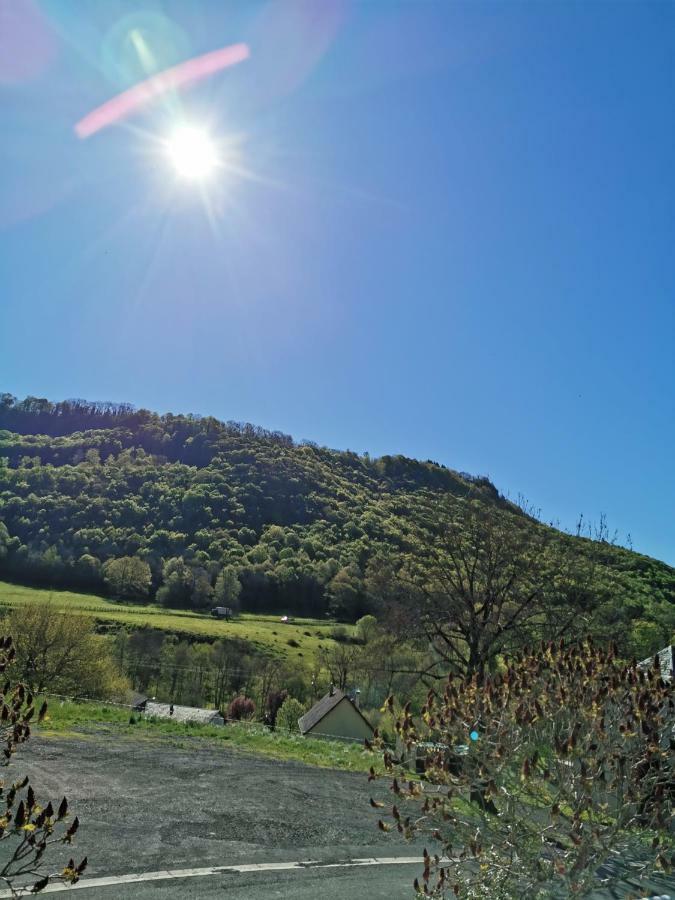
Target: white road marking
{"points": [[171, 874]]}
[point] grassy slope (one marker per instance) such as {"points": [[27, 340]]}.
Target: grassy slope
{"points": [[68, 718], [266, 634]]}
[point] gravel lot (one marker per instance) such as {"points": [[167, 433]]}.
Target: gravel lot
{"points": [[149, 804]]}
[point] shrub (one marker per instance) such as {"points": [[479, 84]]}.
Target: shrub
{"points": [[59, 650], [29, 828], [241, 708], [275, 700], [566, 755], [342, 636], [288, 715], [366, 628]]}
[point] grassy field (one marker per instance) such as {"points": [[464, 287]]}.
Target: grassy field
{"points": [[78, 719], [266, 634]]}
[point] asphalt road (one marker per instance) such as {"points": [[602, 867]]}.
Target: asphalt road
{"points": [[151, 805], [380, 884]]}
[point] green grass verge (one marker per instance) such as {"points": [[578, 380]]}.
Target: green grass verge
{"points": [[267, 634], [72, 719]]}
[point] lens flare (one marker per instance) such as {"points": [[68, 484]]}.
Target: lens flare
{"points": [[183, 75]]}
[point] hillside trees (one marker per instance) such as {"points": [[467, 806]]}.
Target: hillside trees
{"points": [[5, 541], [387, 664], [127, 577], [298, 527], [341, 662], [88, 571], [193, 673], [184, 586], [346, 594], [141, 655], [367, 628], [227, 588]]}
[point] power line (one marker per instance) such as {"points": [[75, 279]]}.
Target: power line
{"points": [[170, 666]]}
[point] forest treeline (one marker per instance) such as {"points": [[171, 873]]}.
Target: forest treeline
{"points": [[82, 484], [191, 511]]}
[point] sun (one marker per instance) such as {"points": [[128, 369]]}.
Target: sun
{"points": [[192, 152]]}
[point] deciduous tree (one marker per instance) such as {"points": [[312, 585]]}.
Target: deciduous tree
{"points": [[228, 588], [128, 577], [287, 717], [340, 661], [481, 581], [59, 651]]}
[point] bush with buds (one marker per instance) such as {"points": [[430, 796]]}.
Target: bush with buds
{"points": [[27, 828], [541, 779]]}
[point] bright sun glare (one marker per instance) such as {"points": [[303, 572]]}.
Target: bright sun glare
{"points": [[192, 152]]}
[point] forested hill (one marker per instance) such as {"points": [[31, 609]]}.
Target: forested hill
{"points": [[199, 441], [295, 525]]}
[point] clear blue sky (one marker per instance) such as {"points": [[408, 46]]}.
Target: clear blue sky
{"points": [[457, 243]]}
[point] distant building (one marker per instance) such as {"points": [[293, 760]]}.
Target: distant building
{"points": [[222, 612], [183, 713], [336, 715], [666, 661]]}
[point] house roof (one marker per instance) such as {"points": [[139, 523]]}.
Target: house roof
{"points": [[321, 709], [183, 713], [138, 701]]}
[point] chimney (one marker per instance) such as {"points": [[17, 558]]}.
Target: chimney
{"points": [[331, 689], [357, 698]]}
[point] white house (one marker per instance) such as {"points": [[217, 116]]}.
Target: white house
{"points": [[336, 716]]}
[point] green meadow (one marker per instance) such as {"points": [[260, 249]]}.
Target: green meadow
{"points": [[296, 642]]}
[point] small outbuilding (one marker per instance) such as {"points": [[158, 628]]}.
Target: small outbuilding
{"points": [[183, 713], [221, 612], [336, 716], [666, 662]]}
